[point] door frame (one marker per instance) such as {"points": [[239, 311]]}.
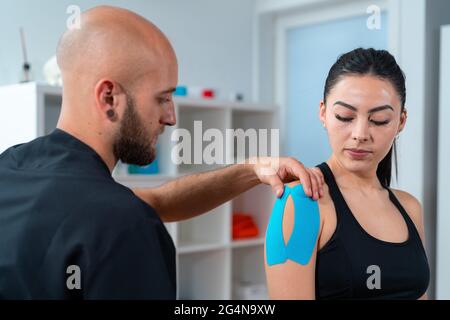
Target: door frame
{"points": [[443, 203]]}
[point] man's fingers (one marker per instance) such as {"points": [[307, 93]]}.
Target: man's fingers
{"points": [[305, 180], [276, 184], [322, 180], [320, 186], [319, 178], [319, 174], [315, 185], [312, 182], [284, 170], [269, 175], [298, 171]]}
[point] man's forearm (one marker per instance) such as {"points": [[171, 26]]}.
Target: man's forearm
{"points": [[192, 195]]}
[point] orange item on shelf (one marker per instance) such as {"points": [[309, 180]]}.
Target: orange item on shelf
{"points": [[244, 226]]}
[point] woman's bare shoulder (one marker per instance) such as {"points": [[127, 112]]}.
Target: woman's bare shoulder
{"points": [[408, 200], [413, 207]]}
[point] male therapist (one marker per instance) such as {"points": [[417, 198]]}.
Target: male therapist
{"points": [[67, 229]]}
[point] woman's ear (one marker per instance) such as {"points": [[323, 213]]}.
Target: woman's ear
{"points": [[403, 117], [322, 113]]}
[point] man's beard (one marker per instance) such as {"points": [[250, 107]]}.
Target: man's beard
{"points": [[133, 143]]}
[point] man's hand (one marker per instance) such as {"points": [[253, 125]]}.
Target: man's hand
{"points": [[278, 171]]}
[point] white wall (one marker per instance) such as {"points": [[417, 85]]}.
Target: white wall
{"points": [[213, 38], [419, 58]]}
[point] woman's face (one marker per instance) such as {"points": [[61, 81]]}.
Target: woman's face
{"points": [[362, 112]]}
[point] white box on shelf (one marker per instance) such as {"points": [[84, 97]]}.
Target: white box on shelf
{"points": [[250, 291]]}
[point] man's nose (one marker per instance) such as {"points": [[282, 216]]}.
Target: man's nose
{"points": [[169, 117]]}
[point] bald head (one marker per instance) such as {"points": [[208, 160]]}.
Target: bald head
{"points": [[119, 72], [112, 42]]}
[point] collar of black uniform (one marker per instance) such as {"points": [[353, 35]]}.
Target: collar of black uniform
{"points": [[73, 143]]}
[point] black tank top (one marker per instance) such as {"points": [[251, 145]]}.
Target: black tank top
{"points": [[356, 265]]}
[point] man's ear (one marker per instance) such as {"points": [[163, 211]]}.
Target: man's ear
{"points": [[106, 98]]}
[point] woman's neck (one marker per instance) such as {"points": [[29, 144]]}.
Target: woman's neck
{"points": [[365, 181]]}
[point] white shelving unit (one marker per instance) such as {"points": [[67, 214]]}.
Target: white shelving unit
{"points": [[28, 111], [210, 265]]}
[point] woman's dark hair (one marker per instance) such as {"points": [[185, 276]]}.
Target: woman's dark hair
{"points": [[378, 63]]}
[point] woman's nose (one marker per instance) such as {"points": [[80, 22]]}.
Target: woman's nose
{"points": [[361, 132]]}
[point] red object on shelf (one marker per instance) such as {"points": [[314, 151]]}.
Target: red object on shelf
{"points": [[244, 226], [208, 93]]}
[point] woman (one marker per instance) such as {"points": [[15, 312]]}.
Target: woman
{"points": [[369, 242]]}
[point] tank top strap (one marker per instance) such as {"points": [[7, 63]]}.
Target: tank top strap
{"points": [[336, 196], [411, 226]]}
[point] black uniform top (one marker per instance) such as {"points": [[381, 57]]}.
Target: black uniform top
{"points": [[345, 265], [60, 207]]}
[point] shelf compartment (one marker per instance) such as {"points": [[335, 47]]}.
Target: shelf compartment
{"points": [[257, 202], [204, 275], [248, 274], [210, 228], [201, 247], [248, 242]]}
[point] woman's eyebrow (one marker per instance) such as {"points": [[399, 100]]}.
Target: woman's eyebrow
{"points": [[380, 108]]}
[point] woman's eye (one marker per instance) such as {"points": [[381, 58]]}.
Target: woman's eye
{"points": [[343, 119], [380, 123]]}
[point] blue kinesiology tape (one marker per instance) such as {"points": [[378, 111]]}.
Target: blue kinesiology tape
{"points": [[301, 244]]}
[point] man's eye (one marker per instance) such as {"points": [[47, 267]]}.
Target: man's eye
{"points": [[343, 119], [163, 100]]}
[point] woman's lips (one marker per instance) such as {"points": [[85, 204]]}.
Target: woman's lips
{"points": [[357, 154]]}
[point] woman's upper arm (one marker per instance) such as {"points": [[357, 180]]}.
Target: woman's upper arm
{"points": [[291, 279], [415, 211], [424, 297]]}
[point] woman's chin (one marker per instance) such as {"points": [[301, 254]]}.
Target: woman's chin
{"points": [[359, 164]]}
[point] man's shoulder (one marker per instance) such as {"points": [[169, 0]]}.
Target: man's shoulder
{"points": [[118, 202], [112, 213], [24, 146], [10, 155]]}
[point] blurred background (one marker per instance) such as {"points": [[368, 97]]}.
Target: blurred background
{"points": [[265, 62]]}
